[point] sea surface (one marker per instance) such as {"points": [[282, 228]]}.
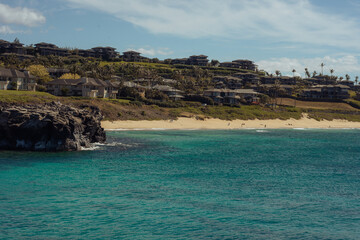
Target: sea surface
{"points": [[236, 184]]}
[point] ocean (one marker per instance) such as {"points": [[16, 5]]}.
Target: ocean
{"points": [[235, 184]]}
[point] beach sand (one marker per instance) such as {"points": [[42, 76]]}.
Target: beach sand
{"points": [[192, 123]]}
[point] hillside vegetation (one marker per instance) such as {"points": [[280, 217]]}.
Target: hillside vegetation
{"points": [[124, 109]]}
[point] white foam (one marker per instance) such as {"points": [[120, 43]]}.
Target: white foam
{"points": [[92, 148], [261, 131]]}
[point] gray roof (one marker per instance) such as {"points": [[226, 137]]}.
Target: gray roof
{"points": [[13, 73], [81, 81]]}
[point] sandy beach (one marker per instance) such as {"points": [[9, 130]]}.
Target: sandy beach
{"points": [[192, 123]]}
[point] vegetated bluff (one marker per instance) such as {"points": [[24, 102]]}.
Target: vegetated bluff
{"points": [[49, 127]]}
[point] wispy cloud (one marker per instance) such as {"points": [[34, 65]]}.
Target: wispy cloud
{"points": [[346, 64], [20, 16], [275, 20], [7, 30], [152, 51]]}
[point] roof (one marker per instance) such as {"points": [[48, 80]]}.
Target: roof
{"points": [[243, 60], [165, 88], [176, 96], [13, 73], [246, 91], [110, 48], [131, 51], [84, 81], [44, 44]]}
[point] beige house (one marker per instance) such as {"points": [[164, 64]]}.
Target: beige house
{"points": [[228, 96], [12, 79], [85, 87]]}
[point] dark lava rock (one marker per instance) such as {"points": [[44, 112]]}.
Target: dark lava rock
{"points": [[49, 127]]}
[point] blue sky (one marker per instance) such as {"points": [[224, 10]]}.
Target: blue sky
{"points": [[276, 34]]}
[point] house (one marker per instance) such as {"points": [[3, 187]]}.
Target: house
{"points": [[228, 96], [46, 49], [179, 61], [57, 72], [269, 89], [248, 78], [230, 65], [85, 87], [172, 93], [347, 83], [246, 64], [326, 92], [131, 56], [105, 53], [227, 82], [12, 47], [199, 60], [86, 53], [284, 80], [12, 79]]}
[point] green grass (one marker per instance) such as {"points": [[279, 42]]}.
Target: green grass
{"points": [[243, 112], [22, 97], [331, 115]]}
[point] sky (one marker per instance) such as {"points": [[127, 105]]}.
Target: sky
{"points": [[275, 34]]}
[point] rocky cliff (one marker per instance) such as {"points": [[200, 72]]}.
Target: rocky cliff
{"points": [[49, 127]]}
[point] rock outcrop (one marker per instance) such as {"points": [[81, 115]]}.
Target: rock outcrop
{"points": [[49, 127]]}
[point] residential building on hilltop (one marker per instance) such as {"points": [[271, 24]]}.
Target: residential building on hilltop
{"points": [[85, 87], [246, 64], [131, 56], [228, 96], [105, 53], [46, 49], [12, 79], [12, 47], [199, 60], [179, 61], [326, 92]]}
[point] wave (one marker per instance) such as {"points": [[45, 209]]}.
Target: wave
{"points": [[262, 131]]}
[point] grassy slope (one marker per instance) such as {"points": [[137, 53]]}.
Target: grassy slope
{"points": [[119, 109]]}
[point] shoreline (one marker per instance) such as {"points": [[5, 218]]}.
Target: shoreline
{"points": [[217, 124]]}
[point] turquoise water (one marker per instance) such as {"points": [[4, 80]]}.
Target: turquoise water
{"points": [[248, 184]]}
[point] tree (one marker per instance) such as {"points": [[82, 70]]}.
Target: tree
{"points": [[40, 72], [347, 76], [278, 73], [314, 74], [331, 73], [307, 73], [70, 76], [16, 40], [322, 69], [356, 79], [293, 71]]}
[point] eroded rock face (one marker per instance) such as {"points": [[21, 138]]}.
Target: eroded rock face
{"points": [[49, 127]]}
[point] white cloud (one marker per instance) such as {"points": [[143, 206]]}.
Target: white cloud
{"points": [[20, 16], [152, 51], [347, 64], [7, 30], [276, 20]]}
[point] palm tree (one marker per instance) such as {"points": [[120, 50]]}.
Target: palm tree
{"points": [[307, 73], [356, 79], [293, 71], [347, 76], [322, 68], [314, 73], [278, 73], [331, 72]]}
